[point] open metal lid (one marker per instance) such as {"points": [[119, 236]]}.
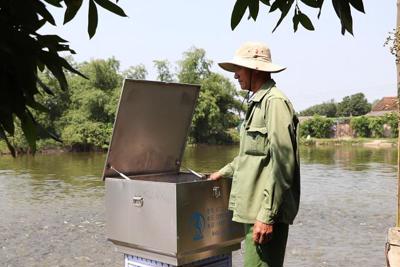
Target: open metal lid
{"points": [[150, 128]]}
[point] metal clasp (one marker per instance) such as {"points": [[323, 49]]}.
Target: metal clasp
{"points": [[217, 191], [138, 201]]}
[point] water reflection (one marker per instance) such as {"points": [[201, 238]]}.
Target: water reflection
{"points": [[349, 157], [348, 201]]}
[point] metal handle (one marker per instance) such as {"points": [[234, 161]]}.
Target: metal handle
{"points": [[138, 201], [217, 191]]}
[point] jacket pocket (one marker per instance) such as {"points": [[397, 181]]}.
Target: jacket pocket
{"points": [[255, 141]]}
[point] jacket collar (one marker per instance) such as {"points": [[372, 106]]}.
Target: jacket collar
{"points": [[265, 88]]}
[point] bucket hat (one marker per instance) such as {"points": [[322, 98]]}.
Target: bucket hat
{"points": [[252, 55]]}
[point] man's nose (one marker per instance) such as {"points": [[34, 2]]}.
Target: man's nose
{"points": [[236, 76]]}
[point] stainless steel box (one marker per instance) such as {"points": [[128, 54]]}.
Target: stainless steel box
{"points": [[153, 210]]}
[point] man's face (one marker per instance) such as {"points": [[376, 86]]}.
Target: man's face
{"points": [[243, 75]]}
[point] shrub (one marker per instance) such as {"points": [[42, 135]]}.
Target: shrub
{"points": [[317, 126], [392, 119], [376, 126], [361, 126]]}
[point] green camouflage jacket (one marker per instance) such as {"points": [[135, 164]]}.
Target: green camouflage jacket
{"points": [[266, 173]]}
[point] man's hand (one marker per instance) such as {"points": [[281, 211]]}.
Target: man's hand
{"points": [[262, 232], [215, 176]]}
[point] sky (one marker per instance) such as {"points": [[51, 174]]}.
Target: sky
{"points": [[321, 65]]}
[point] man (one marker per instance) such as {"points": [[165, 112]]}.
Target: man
{"points": [[265, 190]]}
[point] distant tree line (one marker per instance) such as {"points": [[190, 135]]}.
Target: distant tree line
{"points": [[83, 116], [362, 126], [354, 105]]}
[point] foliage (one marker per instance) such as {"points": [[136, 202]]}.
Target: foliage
{"points": [[83, 116], [217, 107], [342, 8], [376, 126], [317, 126], [392, 119], [138, 72], [24, 53], [327, 109], [87, 122], [163, 70], [354, 105], [214, 111], [393, 42], [361, 126], [194, 67]]}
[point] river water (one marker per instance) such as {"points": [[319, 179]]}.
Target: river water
{"points": [[52, 207]]}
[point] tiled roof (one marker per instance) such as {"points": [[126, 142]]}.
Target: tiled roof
{"points": [[388, 103], [379, 113]]}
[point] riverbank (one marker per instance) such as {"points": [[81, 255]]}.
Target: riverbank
{"points": [[52, 147], [364, 142]]}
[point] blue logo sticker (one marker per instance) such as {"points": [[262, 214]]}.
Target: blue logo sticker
{"points": [[198, 222]]}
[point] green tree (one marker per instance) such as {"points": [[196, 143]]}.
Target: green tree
{"points": [[24, 53], [327, 109], [194, 67], [163, 70], [87, 123], [216, 111], [354, 105], [102, 74], [137, 72], [217, 107]]}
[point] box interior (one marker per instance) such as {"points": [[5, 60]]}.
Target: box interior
{"points": [[178, 178]]}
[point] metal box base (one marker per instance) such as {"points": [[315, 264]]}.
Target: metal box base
{"points": [[174, 219], [224, 260]]}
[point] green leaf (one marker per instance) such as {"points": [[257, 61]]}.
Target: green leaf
{"points": [[45, 87], [277, 4], [320, 9], [56, 68], [265, 2], [42, 132], [29, 128], [358, 4], [347, 20], [39, 24], [72, 8], [237, 13], [42, 11], [4, 136], [110, 6], [93, 19], [7, 122], [314, 4], [50, 38], [254, 6], [55, 3], [311, 3], [342, 9], [305, 21], [295, 21], [35, 105], [67, 66], [284, 9]]}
